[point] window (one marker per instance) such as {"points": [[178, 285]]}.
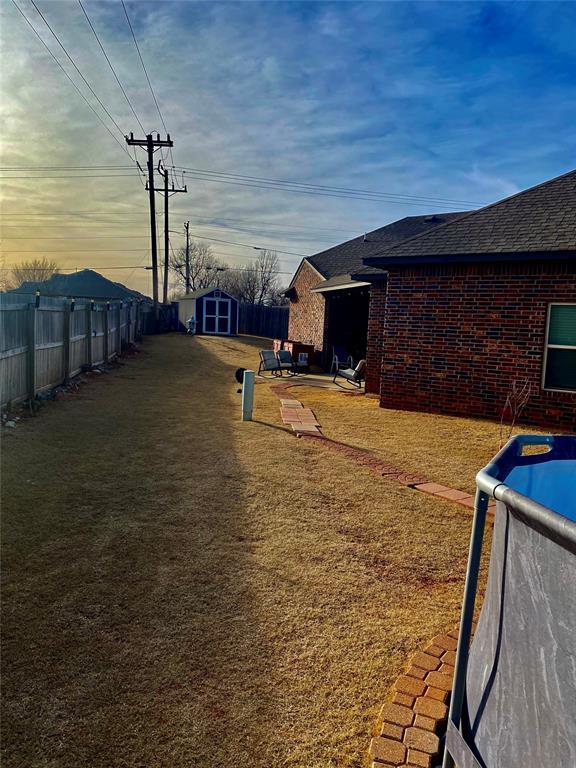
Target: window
{"points": [[560, 353]]}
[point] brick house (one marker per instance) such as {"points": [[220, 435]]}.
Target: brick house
{"points": [[327, 305], [460, 313]]}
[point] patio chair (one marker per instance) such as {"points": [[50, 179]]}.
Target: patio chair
{"points": [[340, 359], [353, 375], [286, 362], [269, 362]]}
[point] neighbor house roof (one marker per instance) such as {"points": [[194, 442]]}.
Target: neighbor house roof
{"points": [[540, 221], [347, 257], [87, 284]]}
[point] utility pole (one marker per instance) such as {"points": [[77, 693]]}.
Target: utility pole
{"points": [[152, 144], [167, 193], [187, 228]]}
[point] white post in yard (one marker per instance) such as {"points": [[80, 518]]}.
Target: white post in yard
{"points": [[247, 395]]}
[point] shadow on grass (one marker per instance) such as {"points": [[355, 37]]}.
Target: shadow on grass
{"points": [[273, 426], [129, 622]]}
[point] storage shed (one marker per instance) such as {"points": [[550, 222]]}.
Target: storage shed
{"points": [[214, 310]]}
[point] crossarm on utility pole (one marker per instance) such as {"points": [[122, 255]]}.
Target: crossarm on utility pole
{"points": [[151, 145]]}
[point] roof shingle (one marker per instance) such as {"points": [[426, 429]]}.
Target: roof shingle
{"points": [[347, 257], [541, 219]]}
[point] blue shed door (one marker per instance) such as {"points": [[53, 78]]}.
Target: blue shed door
{"points": [[217, 315]]}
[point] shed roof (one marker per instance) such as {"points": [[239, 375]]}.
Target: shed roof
{"points": [[203, 291], [539, 222]]}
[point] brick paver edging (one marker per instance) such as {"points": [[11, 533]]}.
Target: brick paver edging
{"points": [[305, 425], [413, 721]]}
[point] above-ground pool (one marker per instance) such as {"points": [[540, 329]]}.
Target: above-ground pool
{"points": [[514, 696], [549, 482]]}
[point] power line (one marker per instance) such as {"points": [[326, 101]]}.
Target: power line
{"points": [[76, 176], [71, 60], [63, 167], [247, 245], [101, 227], [87, 212], [339, 196], [271, 224], [203, 219], [79, 237], [68, 76], [252, 231], [274, 183], [370, 198], [147, 77], [127, 266], [343, 190], [111, 67], [138, 266], [79, 250], [70, 269], [280, 235]]}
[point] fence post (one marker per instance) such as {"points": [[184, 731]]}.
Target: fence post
{"points": [[89, 331], [129, 324], [119, 327], [68, 309], [106, 332], [138, 323], [247, 395], [31, 361]]}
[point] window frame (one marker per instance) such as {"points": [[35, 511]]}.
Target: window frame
{"points": [[548, 346]]}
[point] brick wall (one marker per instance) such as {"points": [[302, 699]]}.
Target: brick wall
{"points": [[307, 321], [376, 312], [455, 337]]}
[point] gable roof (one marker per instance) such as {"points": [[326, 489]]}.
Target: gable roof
{"points": [[203, 291], [86, 283], [346, 258], [530, 224]]}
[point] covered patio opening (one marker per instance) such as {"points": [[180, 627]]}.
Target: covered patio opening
{"points": [[347, 322]]}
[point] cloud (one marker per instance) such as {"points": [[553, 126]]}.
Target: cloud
{"points": [[468, 101], [493, 185]]}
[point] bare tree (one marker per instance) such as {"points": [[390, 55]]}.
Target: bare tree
{"points": [[516, 401], [35, 270], [205, 268], [256, 282]]}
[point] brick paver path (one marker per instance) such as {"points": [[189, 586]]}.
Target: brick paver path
{"points": [[304, 423]]}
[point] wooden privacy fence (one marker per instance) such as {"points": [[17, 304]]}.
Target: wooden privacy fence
{"points": [[259, 320], [43, 346]]}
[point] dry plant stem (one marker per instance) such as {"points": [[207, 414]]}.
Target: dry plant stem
{"points": [[516, 401]]}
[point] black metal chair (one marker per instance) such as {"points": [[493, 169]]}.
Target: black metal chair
{"points": [[354, 375], [269, 362]]}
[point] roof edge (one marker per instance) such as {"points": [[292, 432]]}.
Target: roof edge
{"points": [[348, 286], [469, 258], [305, 260]]}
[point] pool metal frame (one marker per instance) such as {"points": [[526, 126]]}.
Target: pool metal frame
{"points": [[489, 482]]}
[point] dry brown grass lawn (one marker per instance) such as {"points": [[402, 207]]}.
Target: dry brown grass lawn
{"points": [[181, 589], [446, 449]]}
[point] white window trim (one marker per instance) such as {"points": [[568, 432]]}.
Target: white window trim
{"points": [[554, 346]]}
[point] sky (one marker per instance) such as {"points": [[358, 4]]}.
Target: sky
{"points": [[463, 102]]}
